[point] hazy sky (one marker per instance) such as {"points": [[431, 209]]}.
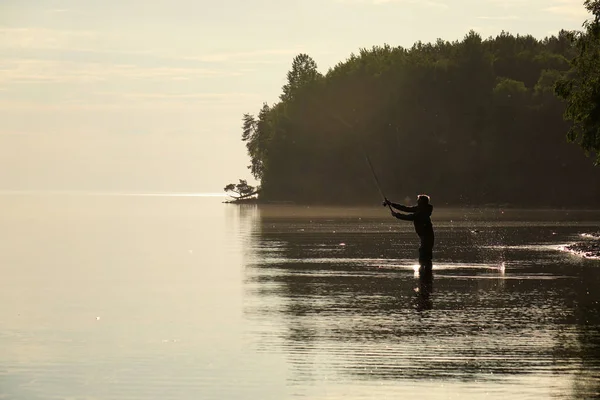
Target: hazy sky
{"points": [[148, 95]]}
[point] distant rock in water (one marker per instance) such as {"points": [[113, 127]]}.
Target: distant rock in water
{"points": [[589, 247]]}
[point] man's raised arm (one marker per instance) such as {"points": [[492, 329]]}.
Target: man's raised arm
{"points": [[403, 208], [405, 217]]}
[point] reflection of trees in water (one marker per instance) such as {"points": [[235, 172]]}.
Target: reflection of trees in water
{"points": [[243, 221], [586, 383], [384, 323]]}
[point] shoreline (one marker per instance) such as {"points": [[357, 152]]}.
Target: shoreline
{"points": [[501, 206]]}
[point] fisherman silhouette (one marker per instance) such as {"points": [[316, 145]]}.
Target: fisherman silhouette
{"points": [[421, 217]]}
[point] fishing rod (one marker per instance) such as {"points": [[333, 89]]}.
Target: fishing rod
{"points": [[343, 121]]}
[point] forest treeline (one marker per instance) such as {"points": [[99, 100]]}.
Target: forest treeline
{"points": [[469, 122]]}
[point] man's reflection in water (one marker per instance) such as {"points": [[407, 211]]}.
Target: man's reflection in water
{"points": [[424, 290]]}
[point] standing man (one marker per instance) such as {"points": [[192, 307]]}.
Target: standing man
{"points": [[421, 217]]}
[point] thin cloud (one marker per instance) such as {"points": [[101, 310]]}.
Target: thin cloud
{"points": [[516, 3], [14, 133], [178, 96], [500, 18], [41, 38], [248, 56], [567, 8], [36, 70], [424, 3], [511, 2], [76, 41], [121, 104], [563, 8], [90, 42]]}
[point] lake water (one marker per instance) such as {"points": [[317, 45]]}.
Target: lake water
{"points": [[174, 297]]}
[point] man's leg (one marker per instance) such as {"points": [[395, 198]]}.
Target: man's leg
{"points": [[423, 256], [426, 252]]}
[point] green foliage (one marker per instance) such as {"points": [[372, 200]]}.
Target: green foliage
{"points": [[240, 190], [581, 87], [304, 72], [547, 81], [256, 132], [470, 122], [507, 87]]}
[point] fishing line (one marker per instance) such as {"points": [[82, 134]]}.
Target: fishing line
{"points": [[366, 157]]}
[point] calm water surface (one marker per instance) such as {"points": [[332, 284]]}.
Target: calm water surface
{"points": [[155, 297]]}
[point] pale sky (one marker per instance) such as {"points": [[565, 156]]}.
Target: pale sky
{"points": [[148, 95]]}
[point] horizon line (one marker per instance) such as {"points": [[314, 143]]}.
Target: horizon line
{"points": [[108, 193]]}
